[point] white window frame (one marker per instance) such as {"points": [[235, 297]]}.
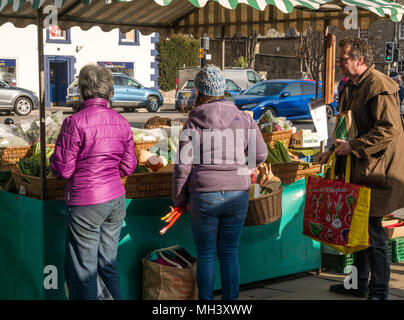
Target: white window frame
{"points": [[401, 31]]}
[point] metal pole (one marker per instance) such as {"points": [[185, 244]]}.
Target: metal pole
{"points": [[223, 49], [42, 137]]}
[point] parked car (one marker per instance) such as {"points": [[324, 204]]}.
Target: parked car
{"points": [[284, 97], [18, 100], [244, 78], [129, 94], [186, 96]]}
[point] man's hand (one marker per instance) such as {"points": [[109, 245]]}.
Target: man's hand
{"points": [[343, 147], [323, 158]]}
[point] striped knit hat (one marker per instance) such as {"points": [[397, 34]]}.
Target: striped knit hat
{"points": [[210, 81]]}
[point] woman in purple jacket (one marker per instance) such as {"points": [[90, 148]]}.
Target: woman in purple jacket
{"points": [[93, 151], [212, 178]]}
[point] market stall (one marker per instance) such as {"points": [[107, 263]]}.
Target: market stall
{"points": [[33, 229]]}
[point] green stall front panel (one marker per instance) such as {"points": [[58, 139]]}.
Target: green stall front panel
{"points": [[32, 236]]}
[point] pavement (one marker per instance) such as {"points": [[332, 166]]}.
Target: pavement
{"points": [[313, 285]]}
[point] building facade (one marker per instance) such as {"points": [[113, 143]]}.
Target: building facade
{"points": [[66, 52]]}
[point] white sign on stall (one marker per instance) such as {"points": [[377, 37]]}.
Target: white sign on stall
{"points": [[319, 115]]}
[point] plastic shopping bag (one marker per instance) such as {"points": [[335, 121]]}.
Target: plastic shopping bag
{"points": [[336, 212]]}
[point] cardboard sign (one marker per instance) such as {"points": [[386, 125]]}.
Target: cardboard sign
{"points": [[319, 115]]}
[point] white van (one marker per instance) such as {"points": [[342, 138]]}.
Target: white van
{"points": [[244, 78]]}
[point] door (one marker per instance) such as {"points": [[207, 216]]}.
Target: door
{"points": [[309, 92], [132, 91], [6, 95], [58, 82], [290, 106]]}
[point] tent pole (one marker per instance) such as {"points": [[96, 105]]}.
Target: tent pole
{"points": [[223, 53], [42, 137]]}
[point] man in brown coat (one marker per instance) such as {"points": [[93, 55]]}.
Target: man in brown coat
{"points": [[377, 158]]}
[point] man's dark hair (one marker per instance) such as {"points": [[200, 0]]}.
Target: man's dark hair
{"points": [[359, 48]]}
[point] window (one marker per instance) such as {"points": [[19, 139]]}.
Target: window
{"points": [[231, 85], [118, 81], [189, 84], [258, 90], [130, 38], [309, 88], [128, 82], [253, 77], [56, 35], [363, 34], [401, 31], [294, 89]]}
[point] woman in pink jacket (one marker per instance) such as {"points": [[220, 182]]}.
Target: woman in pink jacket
{"points": [[93, 151]]}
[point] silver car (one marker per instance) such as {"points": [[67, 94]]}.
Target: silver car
{"points": [[19, 100]]}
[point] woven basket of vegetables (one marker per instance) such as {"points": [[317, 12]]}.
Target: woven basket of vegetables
{"points": [[265, 209], [31, 186], [290, 172], [284, 135], [9, 156], [148, 185], [143, 145]]}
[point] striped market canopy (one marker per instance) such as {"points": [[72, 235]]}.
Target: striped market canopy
{"points": [[201, 16]]}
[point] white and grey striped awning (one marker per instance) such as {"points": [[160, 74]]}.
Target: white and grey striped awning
{"points": [[201, 16]]}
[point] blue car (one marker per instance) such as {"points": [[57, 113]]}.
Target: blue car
{"points": [[284, 97], [129, 94], [186, 95]]}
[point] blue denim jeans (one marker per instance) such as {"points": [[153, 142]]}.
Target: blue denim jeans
{"points": [[374, 260], [217, 219], [92, 235]]}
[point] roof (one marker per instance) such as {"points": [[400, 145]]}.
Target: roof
{"points": [[199, 16]]}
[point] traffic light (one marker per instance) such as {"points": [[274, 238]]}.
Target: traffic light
{"points": [[396, 54], [389, 52]]}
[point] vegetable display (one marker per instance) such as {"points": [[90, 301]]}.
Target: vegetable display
{"points": [[31, 166]]}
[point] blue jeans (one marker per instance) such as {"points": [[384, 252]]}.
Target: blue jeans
{"points": [[217, 219], [374, 260], [92, 235]]}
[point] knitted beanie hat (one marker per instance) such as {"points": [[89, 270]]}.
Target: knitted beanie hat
{"points": [[394, 75], [210, 81]]}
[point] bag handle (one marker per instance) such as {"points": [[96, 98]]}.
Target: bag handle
{"points": [[331, 161]]}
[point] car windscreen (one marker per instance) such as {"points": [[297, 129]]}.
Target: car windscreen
{"points": [[189, 84], [265, 89], [3, 84]]}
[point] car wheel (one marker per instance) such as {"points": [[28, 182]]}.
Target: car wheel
{"points": [[152, 104], [23, 106], [330, 112], [273, 111]]}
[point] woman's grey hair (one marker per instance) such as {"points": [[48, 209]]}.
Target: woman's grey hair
{"points": [[96, 82]]}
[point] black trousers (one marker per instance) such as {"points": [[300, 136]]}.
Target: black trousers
{"points": [[374, 260]]}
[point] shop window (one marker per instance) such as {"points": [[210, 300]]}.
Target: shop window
{"points": [[8, 71], [363, 34], [401, 31], [130, 38], [55, 35], [119, 67]]}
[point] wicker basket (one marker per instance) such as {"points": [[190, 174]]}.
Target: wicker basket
{"points": [[9, 156], [265, 209], [148, 185], [283, 135], [55, 188], [290, 172], [144, 145]]}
